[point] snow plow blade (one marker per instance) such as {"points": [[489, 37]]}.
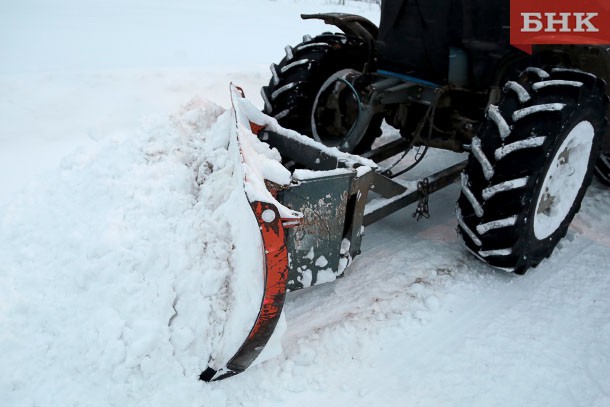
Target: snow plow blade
{"points": [[311, 220], [276, 267], [272, 219]]}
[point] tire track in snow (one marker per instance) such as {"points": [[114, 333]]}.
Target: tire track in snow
{"points": [[509, 323]]}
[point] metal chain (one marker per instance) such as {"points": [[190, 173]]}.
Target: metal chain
{"points": [[423, 210], [419, 153]]}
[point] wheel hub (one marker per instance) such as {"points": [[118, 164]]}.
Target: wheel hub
{"points": [[563, 180], [336, 111]]}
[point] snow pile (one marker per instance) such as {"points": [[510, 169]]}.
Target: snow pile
{"points": [[118, 269]]}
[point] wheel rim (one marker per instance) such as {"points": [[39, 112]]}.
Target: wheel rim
{"points": [[335, 112], [563, 180]]}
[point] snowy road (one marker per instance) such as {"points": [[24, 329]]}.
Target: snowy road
{"points": [[416, 321]]}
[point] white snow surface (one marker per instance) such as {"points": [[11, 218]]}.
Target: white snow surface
{"points": [[129, 261]]}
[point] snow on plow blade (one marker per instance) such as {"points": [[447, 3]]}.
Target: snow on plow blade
{"points": [[260, 172]]}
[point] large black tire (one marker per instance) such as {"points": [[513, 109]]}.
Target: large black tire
{"points": [[296, 81], [511, 211], [602, 168]]}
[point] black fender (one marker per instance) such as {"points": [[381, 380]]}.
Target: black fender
{"points": [[350, 24]]}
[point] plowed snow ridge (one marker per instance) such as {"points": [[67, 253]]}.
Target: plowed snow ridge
{"points": [[119, 269]]}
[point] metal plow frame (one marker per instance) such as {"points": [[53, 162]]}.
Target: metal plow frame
{"points": [[332, 196]]}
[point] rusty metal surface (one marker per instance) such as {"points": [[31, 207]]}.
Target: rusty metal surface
{"points": [[314, 247]]}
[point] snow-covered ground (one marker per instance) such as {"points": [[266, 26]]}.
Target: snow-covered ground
{"points": [[118, 238]]}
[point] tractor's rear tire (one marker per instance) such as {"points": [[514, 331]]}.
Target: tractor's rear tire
{"points": [[296, 81], [602, 168], [530, 166]]}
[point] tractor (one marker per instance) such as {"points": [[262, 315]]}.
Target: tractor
{"points": [[444, 75]]}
